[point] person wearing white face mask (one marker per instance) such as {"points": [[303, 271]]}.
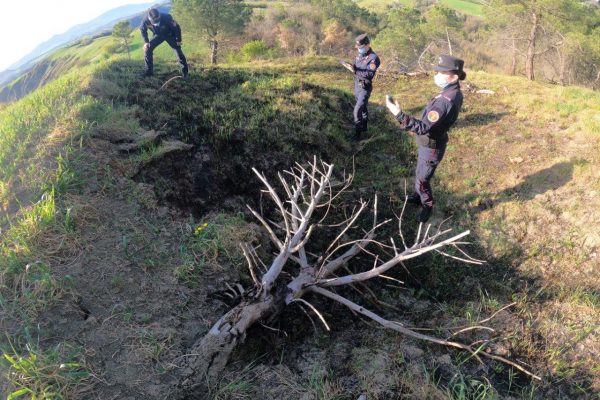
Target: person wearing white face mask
{"points": [[164, 28], [431, 130]]}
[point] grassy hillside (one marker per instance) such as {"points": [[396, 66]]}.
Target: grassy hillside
{"points": [[40, 153], [464, 6], [123, 206], [89, 52]]}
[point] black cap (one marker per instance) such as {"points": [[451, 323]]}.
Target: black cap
{"points": [[448, 63], [154, 15], [361, 40]]}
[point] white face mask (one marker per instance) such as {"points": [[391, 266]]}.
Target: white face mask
{"points": [[441, 80]]}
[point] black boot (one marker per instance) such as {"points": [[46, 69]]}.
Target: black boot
{"points": [[359, 129], [357, 134], [424, 214], [413, 198]]}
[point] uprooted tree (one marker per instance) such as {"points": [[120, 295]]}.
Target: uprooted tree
{"points": [[310, 195]]}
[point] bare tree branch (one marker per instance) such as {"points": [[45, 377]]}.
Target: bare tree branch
{"points": [[405, 331], [307, 189], [413, 252]]}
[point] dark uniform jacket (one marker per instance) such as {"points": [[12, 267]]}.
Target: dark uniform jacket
{"points": [[438, 116], [168, 28], [366, 66]]}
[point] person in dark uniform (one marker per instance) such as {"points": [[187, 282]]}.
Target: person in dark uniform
{"points": [[431, 131], [164, 28], [364, 68]]}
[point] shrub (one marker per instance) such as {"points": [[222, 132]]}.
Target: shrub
{"points": [[255, 50], [113, 48]]}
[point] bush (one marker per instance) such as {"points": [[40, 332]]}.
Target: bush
{"points": [[113, 48], [255, 50], [85, 41]]}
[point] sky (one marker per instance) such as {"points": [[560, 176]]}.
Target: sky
{"points": [[27, 23]]}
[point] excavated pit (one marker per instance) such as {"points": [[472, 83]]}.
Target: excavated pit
{"points": [[233, 125], [198, 180]]}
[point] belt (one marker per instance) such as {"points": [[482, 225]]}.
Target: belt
{"points": [[429, 142]]}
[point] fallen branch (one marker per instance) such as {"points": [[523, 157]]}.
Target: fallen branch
{"points": [[309, 195], [167, 82]]}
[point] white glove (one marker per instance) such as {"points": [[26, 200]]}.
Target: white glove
{"points": [[394, 107]]}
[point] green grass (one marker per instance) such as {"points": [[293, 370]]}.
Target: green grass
{"points": [[381, 5], [43, 135], [25, 124], [101, 50], [474, 8], [54, 373], [466, 7], [212, 243], [49, 175], [463, 387]]}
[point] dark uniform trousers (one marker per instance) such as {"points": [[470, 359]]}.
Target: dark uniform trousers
{"points": [[362, 92], [427, 162], [432, 136], [167, 30], [154, 43]]}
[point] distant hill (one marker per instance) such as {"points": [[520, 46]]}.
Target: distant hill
{"points": [[103, 23]]}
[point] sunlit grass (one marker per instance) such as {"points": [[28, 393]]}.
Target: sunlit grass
{"points": [[42, 136], [34, 373], [464, 6]]}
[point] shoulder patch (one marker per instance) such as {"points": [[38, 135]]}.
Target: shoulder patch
{"points": [[433, 116], [373, 66]]}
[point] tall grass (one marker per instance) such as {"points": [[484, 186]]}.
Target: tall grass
{"points": [[24, 123], [55, 373], [42, 135]]}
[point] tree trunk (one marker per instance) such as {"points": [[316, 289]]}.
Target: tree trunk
{"points": [[513, 66], [211, 353], [214, 47], [561, 67], [127, 48], [531, 47]]}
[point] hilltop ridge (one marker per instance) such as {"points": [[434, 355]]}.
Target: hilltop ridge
{"points": [[37, 68]]}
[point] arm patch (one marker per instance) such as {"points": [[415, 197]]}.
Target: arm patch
{"points": [[373, 66], [433, 116]]}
